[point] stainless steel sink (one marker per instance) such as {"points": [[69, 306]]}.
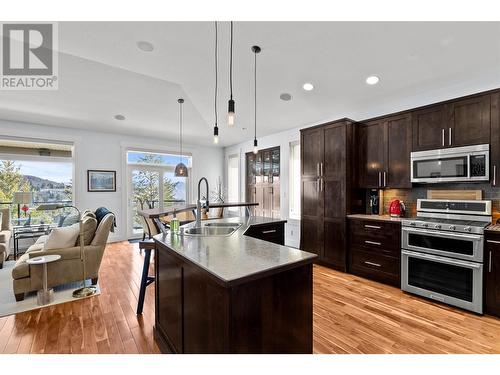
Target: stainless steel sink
{"points": [[236, 225], [212, 230]]}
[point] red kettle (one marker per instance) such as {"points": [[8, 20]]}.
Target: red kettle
{"points": [[397, 208]]}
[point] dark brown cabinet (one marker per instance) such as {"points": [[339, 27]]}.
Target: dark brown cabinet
{"points": [[327, 157], [495, 139], [272, 232], [374, 250], [384, 152], [263, 178], [429, 128], [492, 275], [460, 122]]}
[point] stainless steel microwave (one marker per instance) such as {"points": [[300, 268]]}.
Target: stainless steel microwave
{"points": [[457, 164]]}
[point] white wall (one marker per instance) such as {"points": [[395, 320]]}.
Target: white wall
{"points": [[95, 150], [282, 139]]}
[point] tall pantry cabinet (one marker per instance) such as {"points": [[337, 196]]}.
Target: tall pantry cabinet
{"points": [[327, 160]]}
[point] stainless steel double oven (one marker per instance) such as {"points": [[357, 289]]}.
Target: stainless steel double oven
{"points": [[442, 257]]}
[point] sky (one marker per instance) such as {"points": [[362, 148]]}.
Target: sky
{"points": [[58, 172]]}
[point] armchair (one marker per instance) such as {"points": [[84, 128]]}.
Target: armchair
{"points": [[5, 235], [68, 269]]}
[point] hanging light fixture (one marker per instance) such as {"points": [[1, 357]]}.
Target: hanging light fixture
{"points": [[230, 109], [180, 169], [255, 50], [216, 128]]}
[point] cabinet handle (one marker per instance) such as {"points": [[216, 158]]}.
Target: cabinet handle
{"points": [[322, 184], [494, 175], [385, 179], [449, 136], [379, 179], [372, 226], [269, 231], [373, 264], [373, 243], [321, 169], [442, 136], [317, 169], [492, 241], [489, 265]]}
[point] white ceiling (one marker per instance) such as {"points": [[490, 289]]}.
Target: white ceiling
{"points": [[102, 73]]}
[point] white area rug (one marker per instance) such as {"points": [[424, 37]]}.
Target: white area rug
{"points": [[8, 304]]}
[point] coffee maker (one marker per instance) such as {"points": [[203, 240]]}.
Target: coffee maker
{"points": [[374, 202]]}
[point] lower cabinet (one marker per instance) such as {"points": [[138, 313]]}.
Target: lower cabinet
{"points": [[492, 274], [375, 250], [271, 232]]}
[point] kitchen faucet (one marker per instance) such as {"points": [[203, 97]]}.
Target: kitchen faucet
{"points": [[198, 203]]}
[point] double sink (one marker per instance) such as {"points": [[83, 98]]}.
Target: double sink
{"points": [[212, 229]]}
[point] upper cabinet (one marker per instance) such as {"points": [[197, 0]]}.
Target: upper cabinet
{"points": [[462, 122], [495, 139], [429, 128], [469, 121], [384, 152]]}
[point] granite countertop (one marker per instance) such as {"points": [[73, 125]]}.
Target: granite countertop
{"points": [[231, 259], [376, 217]]}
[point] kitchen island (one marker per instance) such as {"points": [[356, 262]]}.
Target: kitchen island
{"points": [[233, 293]]}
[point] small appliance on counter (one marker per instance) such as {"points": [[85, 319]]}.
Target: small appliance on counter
{"points": [[374, 202], [397, 208]]}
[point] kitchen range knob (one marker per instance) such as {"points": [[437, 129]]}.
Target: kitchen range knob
{"points": [[452, 227], [425, 225], [437, 226], [413, 223], [467, 229]]}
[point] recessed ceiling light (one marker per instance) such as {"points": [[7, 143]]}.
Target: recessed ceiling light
{"points": [[285, 96], [308, 86], [119, 117], [145, 46], [372, 80]]}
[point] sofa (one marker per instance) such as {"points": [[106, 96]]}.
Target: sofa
{"points": [[5, 235], [69, 268]]}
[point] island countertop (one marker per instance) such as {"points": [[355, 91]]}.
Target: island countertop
{"points": [[236, 258]]}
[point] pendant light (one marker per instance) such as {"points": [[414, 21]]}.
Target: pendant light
{"points": [[180, 169], [230, 109], [216, 128], [255, 50]]}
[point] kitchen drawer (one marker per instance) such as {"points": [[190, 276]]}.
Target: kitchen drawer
{"points": [[376, 235], [375, 266], [272, 232]]}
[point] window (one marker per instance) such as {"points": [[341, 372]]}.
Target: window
{"points": [[44, 171], [153, 183], [233, 180], [294, 180]]}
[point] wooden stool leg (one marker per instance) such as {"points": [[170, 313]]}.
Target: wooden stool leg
{"points": [[144, 280]]}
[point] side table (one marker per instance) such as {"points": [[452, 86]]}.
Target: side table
{"points": [[46, 295]]}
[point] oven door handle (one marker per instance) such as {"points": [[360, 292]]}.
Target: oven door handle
{"points": [[439, 259], [437, 233]]}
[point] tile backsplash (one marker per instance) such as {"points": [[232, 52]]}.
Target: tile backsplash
{"points": [[410, 196]]}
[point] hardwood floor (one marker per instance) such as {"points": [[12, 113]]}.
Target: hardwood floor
{"points": [[351, 315]]}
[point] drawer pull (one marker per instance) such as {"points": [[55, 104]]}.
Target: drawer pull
{"points": [[269, 231], [373, 264], [491, 241], [372, 226], [489, 263], [373, 243]]}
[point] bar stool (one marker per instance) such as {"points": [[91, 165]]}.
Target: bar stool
{"points": [[151, 229], [146, 280]]}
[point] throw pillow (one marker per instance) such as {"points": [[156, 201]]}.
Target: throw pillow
{"points": [[62, 238], [1, 220], [70, 220], [89, 225]]}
